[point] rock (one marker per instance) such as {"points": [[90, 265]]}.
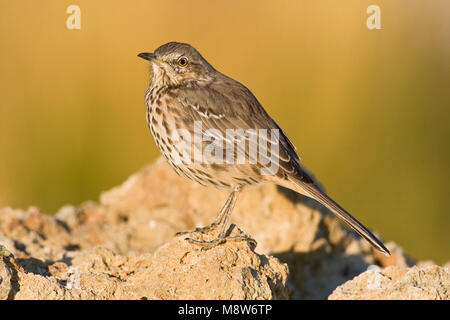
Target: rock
{"points": [[122, 246], [181, 270], [5, 279], [8, 275], [177, 270], [417, 283]]}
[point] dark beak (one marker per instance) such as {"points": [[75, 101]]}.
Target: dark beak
{"points": [[147, 55]]}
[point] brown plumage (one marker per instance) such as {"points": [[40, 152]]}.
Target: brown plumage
{"points": [[185, 90]]}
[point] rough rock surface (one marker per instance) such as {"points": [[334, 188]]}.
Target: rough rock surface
{"points": [[419, 282], [124, 247]]}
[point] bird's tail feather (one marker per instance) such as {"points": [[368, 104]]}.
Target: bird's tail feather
{"points": [[329, 203]]}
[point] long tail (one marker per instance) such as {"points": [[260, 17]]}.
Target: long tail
{"points": [[320, 196]]}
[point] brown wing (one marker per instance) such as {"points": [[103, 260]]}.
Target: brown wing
{"points": [[227, 104]]}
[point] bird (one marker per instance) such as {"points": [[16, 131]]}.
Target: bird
{"points": [[187, 95]]}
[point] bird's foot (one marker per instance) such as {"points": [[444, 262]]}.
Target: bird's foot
{"points": [[197, 236], [206, 245], [199, 230]]}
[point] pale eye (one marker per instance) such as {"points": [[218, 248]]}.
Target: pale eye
{"points": [[182, 62]]}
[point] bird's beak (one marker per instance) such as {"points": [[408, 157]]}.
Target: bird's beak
{"points": [[147, 56]]}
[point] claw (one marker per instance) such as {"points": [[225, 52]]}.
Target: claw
{"points": [[206, 245], [198, 229]]}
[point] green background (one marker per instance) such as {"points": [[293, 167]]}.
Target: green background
{"points": [[367, 109]]}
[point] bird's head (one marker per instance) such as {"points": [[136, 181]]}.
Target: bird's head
{"points": [[177, 63]]}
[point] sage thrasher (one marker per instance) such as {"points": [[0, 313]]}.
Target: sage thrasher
{"points": [[185, 91]]}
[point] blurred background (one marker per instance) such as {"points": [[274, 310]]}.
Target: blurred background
{"points": [[368, 110]]}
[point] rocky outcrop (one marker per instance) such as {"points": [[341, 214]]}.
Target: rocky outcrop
{"points": [[177, 270], [419, 282], [124, 247]]}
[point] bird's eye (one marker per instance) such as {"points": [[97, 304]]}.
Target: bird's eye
{"points": [[182, 62]]}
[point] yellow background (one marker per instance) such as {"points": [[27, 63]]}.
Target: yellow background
{"points": [[367, 109]]}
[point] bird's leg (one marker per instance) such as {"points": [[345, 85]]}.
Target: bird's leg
{"points": [[222, 219], [225, 211], [216, 222], [228, 210]]}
